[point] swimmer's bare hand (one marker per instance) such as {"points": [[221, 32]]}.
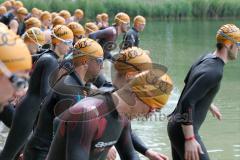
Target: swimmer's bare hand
{"points": [[192, 150], [216, 112], [152, 155], [112, 154]]}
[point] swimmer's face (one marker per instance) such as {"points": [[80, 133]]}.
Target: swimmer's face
{"points": [[132, 106], [47, 22], [6, 89], [64, 47], [95, 65], [141, 27], [125, 27], [31, 47], [68, 20], [233, 52], [140, 109], [22, 17]]}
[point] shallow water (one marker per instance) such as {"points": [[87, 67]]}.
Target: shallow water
{"points": [[177, 45]]}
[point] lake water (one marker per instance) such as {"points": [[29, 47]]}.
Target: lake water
{"points": [[177, 45]]}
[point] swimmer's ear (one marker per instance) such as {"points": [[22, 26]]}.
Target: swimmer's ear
{"points": [[85, 66], [130, 75]]}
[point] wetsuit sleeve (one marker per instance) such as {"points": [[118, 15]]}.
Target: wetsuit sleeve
{"points": [[138, 143], [101, 81], [7, 114], [128, 41], [195, 92], [124, 145], [136, 40], [101, 34], [51, 65]]}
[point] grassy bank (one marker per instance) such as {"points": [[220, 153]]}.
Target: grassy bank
{"points": [[163, 9]]}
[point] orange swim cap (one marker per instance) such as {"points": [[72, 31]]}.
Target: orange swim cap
{"points": [[87, 46], [132, 59], [13, 51], [79, 13], [45, 15], [65, 14], [91, 27], [22, 11], [61, 32], [34, 35], [76, 28], [33, 22], [3, 10], [139, 20], [58, 20], [228, 34], [121, 18], [152, 88]]}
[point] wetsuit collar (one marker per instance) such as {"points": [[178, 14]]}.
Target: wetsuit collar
{"points": [[135, 29], [216, 57]]}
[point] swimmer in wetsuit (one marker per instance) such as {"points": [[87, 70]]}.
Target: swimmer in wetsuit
{"points": [[78, 31], [131, 38], [126, 66], [91, 127], [107, 37], [14, 59], [71, 88], [201, 85], [28, 109], [78, 16]]}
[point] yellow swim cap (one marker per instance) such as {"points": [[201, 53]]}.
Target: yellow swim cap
{"points": [[121, 18], [152, 88], [139, 20], [33, 22], [78, 13], [18, 4], [45, 16], [228, 34], [132, 59], [7, 4], [104, 16], [34, 35], [54, 14], [65, 14], [3, 10], [87, 46], [22, 11], [61, 32], [13, 52], [76, 28], [91, 27], [58, 20]]}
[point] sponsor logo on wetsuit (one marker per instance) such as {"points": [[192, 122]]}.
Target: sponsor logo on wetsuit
{"points": [[104, 144]]}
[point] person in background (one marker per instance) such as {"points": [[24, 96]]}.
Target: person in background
{"points": [[202, 83], [131, 38]]}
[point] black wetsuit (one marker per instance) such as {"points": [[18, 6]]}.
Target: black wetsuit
{"points": [[106, 38], [66, 92], [6, 18], [130, 39], [29, 107], [89, 129], [201, 85], [6, 115]]}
